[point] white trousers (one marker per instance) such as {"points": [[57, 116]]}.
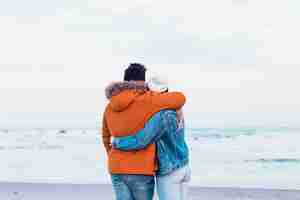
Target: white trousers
{"points": [[174, 186]]}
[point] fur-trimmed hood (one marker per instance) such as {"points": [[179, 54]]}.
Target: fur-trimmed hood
{"points": [[116, 88], [122, 94]]}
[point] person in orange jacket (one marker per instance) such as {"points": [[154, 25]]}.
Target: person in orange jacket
{"points": [[130, 107]]}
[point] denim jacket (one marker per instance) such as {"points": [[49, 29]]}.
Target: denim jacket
{"points": [[162, 128]]}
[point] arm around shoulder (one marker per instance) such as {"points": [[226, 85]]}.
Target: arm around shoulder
{"points": [[170, 100]]}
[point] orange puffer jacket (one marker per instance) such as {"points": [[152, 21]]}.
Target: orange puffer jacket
{"points": [[131, 106]]}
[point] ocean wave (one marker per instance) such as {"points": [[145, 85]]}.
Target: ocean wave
{"points": [[276, 160], [220, 133]]}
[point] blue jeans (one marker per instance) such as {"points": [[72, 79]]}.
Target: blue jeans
{"points": [[133, 187], [174, 186]]}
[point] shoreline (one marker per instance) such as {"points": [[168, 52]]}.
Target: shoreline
{"points": [[49, 191]]}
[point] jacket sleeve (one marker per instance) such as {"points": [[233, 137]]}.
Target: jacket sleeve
{"points": [[106, 136], [153, 130], [169, 100]]}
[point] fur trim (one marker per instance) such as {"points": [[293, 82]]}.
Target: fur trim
{"points": [[116, 88]]}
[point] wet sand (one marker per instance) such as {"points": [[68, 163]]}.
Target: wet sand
{"points": [[35, 191]]}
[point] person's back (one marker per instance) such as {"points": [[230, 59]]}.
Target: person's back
{"points": [[127, 113], [172, 150]]}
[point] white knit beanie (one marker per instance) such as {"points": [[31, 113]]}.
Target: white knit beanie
{"points": [[158, 84]]}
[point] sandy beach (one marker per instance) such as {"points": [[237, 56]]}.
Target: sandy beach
{"points": [[34, 191]]}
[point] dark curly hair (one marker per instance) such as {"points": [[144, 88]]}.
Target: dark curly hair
{"points": [[135, 72]]}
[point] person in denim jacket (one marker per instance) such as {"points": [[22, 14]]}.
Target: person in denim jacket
{"points": [[165, 129]]}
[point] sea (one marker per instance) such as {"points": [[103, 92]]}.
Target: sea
{"points": [[240, 150]]}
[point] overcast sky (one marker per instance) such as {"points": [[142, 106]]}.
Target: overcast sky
{"points": [[226, 55]]}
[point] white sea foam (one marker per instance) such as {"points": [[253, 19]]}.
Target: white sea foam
{"points": [[265, 159]]}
